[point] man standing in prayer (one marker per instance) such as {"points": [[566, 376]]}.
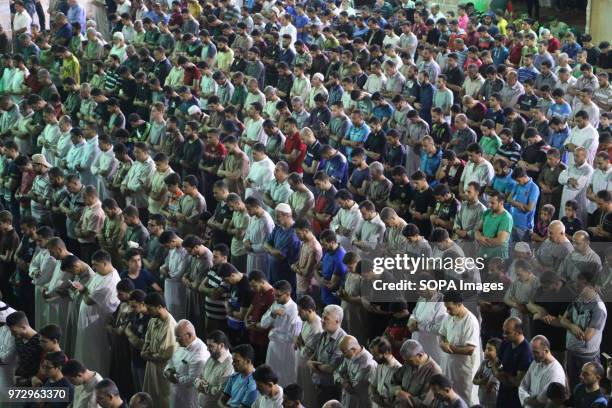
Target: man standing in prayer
{"points": [[283, 247], [90, 224], [217, 369], [41, 271], [159, 346], [56, 292], [460, 341], [174, 267], [84, 381], [354, 373], [138, 179], [284, 323], [544, 370], [185, 365], [99, 302], [259, 229]]}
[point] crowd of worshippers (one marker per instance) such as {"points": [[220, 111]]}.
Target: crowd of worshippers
{"points": [[195, 195]]}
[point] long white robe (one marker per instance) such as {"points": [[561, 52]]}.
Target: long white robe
{"points": [[85, 394], [50, 136], [58, 303], [304, 376], [175, 292], [429, 313], [92, 345], [582, 174], [41, 271], [188, 362], [102, 169], [586, 137], [461, 369], [257, 233], [350, 219], [8, 357], [600, 180], [281, 355], [91, 151], [260, 174]]}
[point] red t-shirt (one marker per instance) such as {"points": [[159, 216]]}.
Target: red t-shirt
{"points": [[292, 143], [260, 302]]}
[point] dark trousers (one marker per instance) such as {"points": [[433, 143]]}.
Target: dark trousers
{"points": [[533, 5]]}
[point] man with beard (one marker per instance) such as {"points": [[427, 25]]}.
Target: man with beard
{"points": [[216, 371], [158, 348]]}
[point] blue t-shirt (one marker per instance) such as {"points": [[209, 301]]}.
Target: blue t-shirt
{"points": [[429, 164], [504, 185], [562, 111], [241, 390], [525, 194], [332, 265], [337, 167], [513, 360], [144, 281]]}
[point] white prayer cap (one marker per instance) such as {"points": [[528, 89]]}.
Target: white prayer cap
{"points": [[522, 247], [193, 110], [5, 310], [118, 36], [283, 208], [319, 76]]}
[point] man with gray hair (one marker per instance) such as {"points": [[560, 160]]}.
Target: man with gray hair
{"points": [[379, 187], [410, 383], [354, 373], [185, 365], [583, 258], [555, 248], [107, 394], [544, 370], [325, 354]]}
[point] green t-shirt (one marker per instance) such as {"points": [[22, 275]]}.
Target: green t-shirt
{"points": [[492, 224], [490, 145]]}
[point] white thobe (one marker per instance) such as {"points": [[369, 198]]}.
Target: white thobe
{"points": [[537, 379], [372, 233], [358, 371], [64, 144], [351, 220], [137, 180], [281, 355], [188, 362], [85, 394], [50, 136], [90, 153], [41, 271], [257, 233], [92, 346], [253, 131], [8, 357], [263, 401], [429, 313], [304, 376], [381, 379], [260, 175], [459, 368], [58, 305], [74, 156], [600, 180], [175, 293], [586, 137], [582, 175], [102, 169]]}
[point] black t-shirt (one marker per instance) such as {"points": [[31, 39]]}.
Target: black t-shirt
{"points": [[556, 304], [396, 155], [422, 200], [526, 102], [376, 143], [313, 153], [584, 399], [535, 153]]}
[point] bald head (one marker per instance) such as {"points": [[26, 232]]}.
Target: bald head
{"points": [[185, 333], [349, 346]]}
